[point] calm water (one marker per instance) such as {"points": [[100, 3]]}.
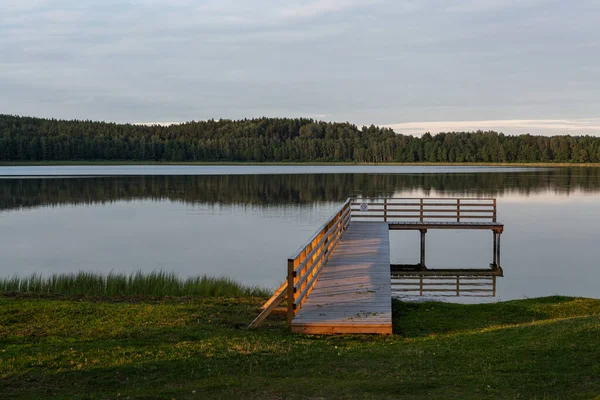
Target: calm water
{"points": [[243, 221]]}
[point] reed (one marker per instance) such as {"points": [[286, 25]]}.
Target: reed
{"points": [[157, 283]]}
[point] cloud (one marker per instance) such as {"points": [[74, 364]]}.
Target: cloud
{"points": [[321, 7], [469, 6], [367, 62], [582, 126], [157, 123]]}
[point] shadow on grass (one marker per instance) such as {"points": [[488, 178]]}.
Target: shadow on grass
{"points": [[434, 318]]}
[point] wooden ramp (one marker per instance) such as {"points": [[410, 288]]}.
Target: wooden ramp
{"points": [[353, 292]]}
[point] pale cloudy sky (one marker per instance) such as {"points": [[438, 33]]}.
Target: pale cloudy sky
{"points": [[516, 66]]}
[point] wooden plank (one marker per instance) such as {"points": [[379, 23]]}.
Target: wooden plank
{"points": [[353, 292], [265, 313], [326, 329], [281, 288]]}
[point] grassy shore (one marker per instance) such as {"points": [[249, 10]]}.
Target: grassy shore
{"points": [[158, 283], [293, 163], [198, 347]]}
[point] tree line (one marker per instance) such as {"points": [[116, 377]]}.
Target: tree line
{"points": [[275, 139]]}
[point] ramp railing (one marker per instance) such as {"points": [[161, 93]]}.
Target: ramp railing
{"points": [[305, 266]]}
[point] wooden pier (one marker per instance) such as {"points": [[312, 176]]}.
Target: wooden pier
{"points": [[341, 280]]}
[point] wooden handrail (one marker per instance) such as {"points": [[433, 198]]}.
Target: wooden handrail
{"points": [[310, 284], [305, 266], [318, 245], [426, 208], [302, 247], [429, 198]]}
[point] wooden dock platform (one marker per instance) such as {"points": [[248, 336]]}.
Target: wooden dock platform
{"points": [[353, 293], [340, 281]]}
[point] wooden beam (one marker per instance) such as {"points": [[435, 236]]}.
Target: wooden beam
{"points": [[290, 291], [281, 288], [265, 313], [498, 253], [422, 263], [332, 329], [495, 262]]}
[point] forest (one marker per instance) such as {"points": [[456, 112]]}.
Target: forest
{"points": [[275, 140]]}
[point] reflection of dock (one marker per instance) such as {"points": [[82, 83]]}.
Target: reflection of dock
{"points": [[341, 280]]}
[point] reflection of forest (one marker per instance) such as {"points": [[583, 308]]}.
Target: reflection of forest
{"points": [[280, 189]]}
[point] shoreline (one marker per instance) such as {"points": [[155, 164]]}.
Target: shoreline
{"points": [[291, 163]]}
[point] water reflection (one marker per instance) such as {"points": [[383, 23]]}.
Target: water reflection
{"points": [[444, 286], [271, 190]]}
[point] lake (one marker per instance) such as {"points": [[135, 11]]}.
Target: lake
{"points": [[244, 221]]}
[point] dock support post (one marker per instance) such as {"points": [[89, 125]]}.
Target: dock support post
{"points": [[422, 263], [498, 251], [495, 262]]}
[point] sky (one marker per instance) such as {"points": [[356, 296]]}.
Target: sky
{"points": [[416, 66]]}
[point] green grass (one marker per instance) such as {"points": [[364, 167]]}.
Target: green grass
{"points": [[188, 348], [157, 283]]}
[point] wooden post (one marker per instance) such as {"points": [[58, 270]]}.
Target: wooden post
{"points": [[457, 210], [421, 210], [423, 231], [494, 287], [290, 292], [421, 285], [494, 263], [269, 306], [385, 210], [494, 215], [498, 249]]}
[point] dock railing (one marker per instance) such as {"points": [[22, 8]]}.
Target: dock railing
{"points": [[425, 209], [305, 266]]}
